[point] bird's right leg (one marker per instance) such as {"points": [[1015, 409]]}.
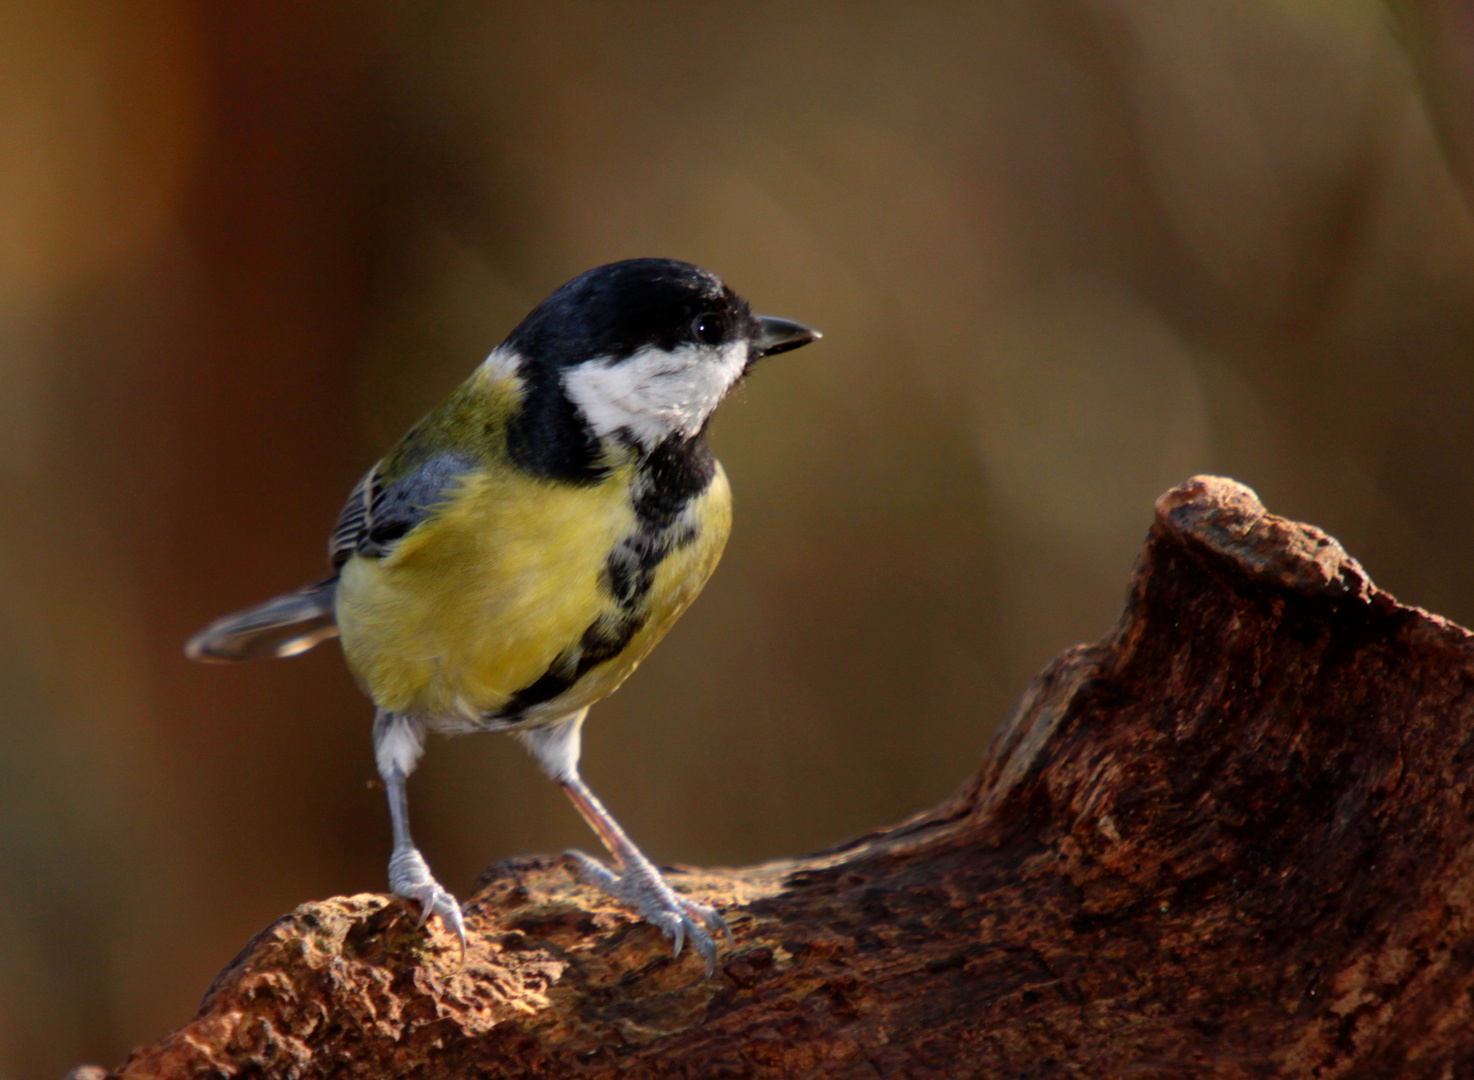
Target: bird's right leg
{"points": [[635, 880], [399, 742]]}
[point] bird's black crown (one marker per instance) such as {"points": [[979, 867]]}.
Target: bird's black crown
{"points": [[615, 310]]}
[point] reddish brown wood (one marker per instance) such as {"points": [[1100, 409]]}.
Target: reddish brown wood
{"points": [[1232, 840]]}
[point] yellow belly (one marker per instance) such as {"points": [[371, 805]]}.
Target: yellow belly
{"points": [[478, 601]]}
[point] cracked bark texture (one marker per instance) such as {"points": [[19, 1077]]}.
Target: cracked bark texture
{"points": [[1233, 839]]}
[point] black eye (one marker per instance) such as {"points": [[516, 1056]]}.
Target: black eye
{"points": [[709, 328]]}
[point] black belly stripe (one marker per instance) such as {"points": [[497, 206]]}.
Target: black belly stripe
{"points": [[605, 639], [670, 478]]}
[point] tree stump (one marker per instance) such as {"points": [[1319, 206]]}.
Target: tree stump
{"points": [[1233, 839]]}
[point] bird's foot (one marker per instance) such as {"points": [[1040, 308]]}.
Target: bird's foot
{"points": [[642, 887], [410, 877]]}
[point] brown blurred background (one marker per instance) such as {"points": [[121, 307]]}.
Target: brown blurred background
{"points": [[1066, 253]]}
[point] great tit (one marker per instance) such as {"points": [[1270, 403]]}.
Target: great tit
{"points": [[524, 546]]}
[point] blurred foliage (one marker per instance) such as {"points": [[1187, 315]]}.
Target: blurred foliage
{"points": [[1066, 253]]}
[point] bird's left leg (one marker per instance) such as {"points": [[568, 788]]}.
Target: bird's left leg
{"points": [[634, 878], [399, 741]]}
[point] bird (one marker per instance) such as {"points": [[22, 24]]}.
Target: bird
{"points": [[512, 559]]}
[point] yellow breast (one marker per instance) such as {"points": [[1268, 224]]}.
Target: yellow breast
{"points": [[478, 601]]}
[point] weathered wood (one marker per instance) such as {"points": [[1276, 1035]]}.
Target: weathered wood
{"points": [[1233, 839]]}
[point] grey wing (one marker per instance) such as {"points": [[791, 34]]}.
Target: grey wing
{"points": [[353, 519], [293, 622], [378, 513], [375, 517]]}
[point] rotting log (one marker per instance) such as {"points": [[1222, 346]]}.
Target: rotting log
{"points": [[1233, 839]]}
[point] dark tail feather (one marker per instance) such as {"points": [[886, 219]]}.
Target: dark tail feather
{"points": [[283, 626]]}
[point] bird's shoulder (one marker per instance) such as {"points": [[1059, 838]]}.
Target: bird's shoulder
{"points": [[466, 433]]}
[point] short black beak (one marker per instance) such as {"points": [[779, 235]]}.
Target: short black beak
{"points": [[780, 335]]}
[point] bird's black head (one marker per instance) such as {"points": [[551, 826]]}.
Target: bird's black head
{"points": [[641, 350], [616, 310]]}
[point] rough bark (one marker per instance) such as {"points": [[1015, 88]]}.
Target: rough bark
{"points": [[1233, 839]]}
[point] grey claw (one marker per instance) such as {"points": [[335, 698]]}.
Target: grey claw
{"points": [[708, 950], [410, 877], [713, 920], [450, 914], [593, 872], [643, 888]]}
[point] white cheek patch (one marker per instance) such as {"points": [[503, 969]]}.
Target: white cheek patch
{"points": [[655, 393]]}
